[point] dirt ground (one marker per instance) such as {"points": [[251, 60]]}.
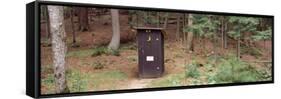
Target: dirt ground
{"points": [[100, 35]]}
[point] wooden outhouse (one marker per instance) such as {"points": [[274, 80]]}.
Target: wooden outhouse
{"points": [[150, 43]]}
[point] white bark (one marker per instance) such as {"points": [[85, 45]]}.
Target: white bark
{"points": [[58, 46], [115, 41]]}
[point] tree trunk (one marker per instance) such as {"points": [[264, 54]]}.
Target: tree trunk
{"points": [[130, 19], [184, 33], [46, 15], [72, 26], [225, 35], [190, 34], [83, 19], [115, 41], [222, 32], [137, 19], [264, 47], [59, 47], [178, 28], [238, 48], [74, 44], [166, 21]]}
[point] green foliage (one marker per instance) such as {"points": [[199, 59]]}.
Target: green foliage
{"points": [[110, 75], [114, 52], [81, 82], [251, 50], [211, 78], [262, 35], [99, 51], [149, 17], [168, 81], [234, 34], [265, 74], [242, 25], [97, 65], [234, 70], [196, 82], [92, 52], [49, 83], [103, 50], [203, 25], [106, 78], [80, 53], [192, 70], [77, 81]]}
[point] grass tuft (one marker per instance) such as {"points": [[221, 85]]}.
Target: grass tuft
{"points": [[192, 70], [168, 81], [98, 65]]}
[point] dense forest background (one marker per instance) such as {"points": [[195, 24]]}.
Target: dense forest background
{"points": [[92, 49]]}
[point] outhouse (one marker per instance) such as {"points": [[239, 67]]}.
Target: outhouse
{"points": [[150, 43]]}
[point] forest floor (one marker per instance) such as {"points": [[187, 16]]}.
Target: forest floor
{"points": [[103, 71]]}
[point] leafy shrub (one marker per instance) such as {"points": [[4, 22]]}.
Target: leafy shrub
{"points": [[114, 52], [191, 70], [103, 50], [235, 70], [97, 65], [251, 50], [262, 35], [99, 51]]}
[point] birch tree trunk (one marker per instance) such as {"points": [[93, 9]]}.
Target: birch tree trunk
{"points": [[115, 41], [58, 47]]}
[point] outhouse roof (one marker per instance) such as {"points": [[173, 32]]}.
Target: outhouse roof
{"points": [[150, 28]]}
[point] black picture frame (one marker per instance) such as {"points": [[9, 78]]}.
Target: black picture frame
{"points": [[33, 67]]}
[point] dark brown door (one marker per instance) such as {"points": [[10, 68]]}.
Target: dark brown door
{"points": [[151, 58]]}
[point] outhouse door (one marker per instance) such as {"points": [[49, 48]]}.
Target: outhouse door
{"points": [[151, 52]]}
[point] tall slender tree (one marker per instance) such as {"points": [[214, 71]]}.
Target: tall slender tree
{"points": [[74, 44], [166, 20], [241, 25], [46, 14], [83, 19], [178, 27], [115, 41], [190, 34], [59, 47]]}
